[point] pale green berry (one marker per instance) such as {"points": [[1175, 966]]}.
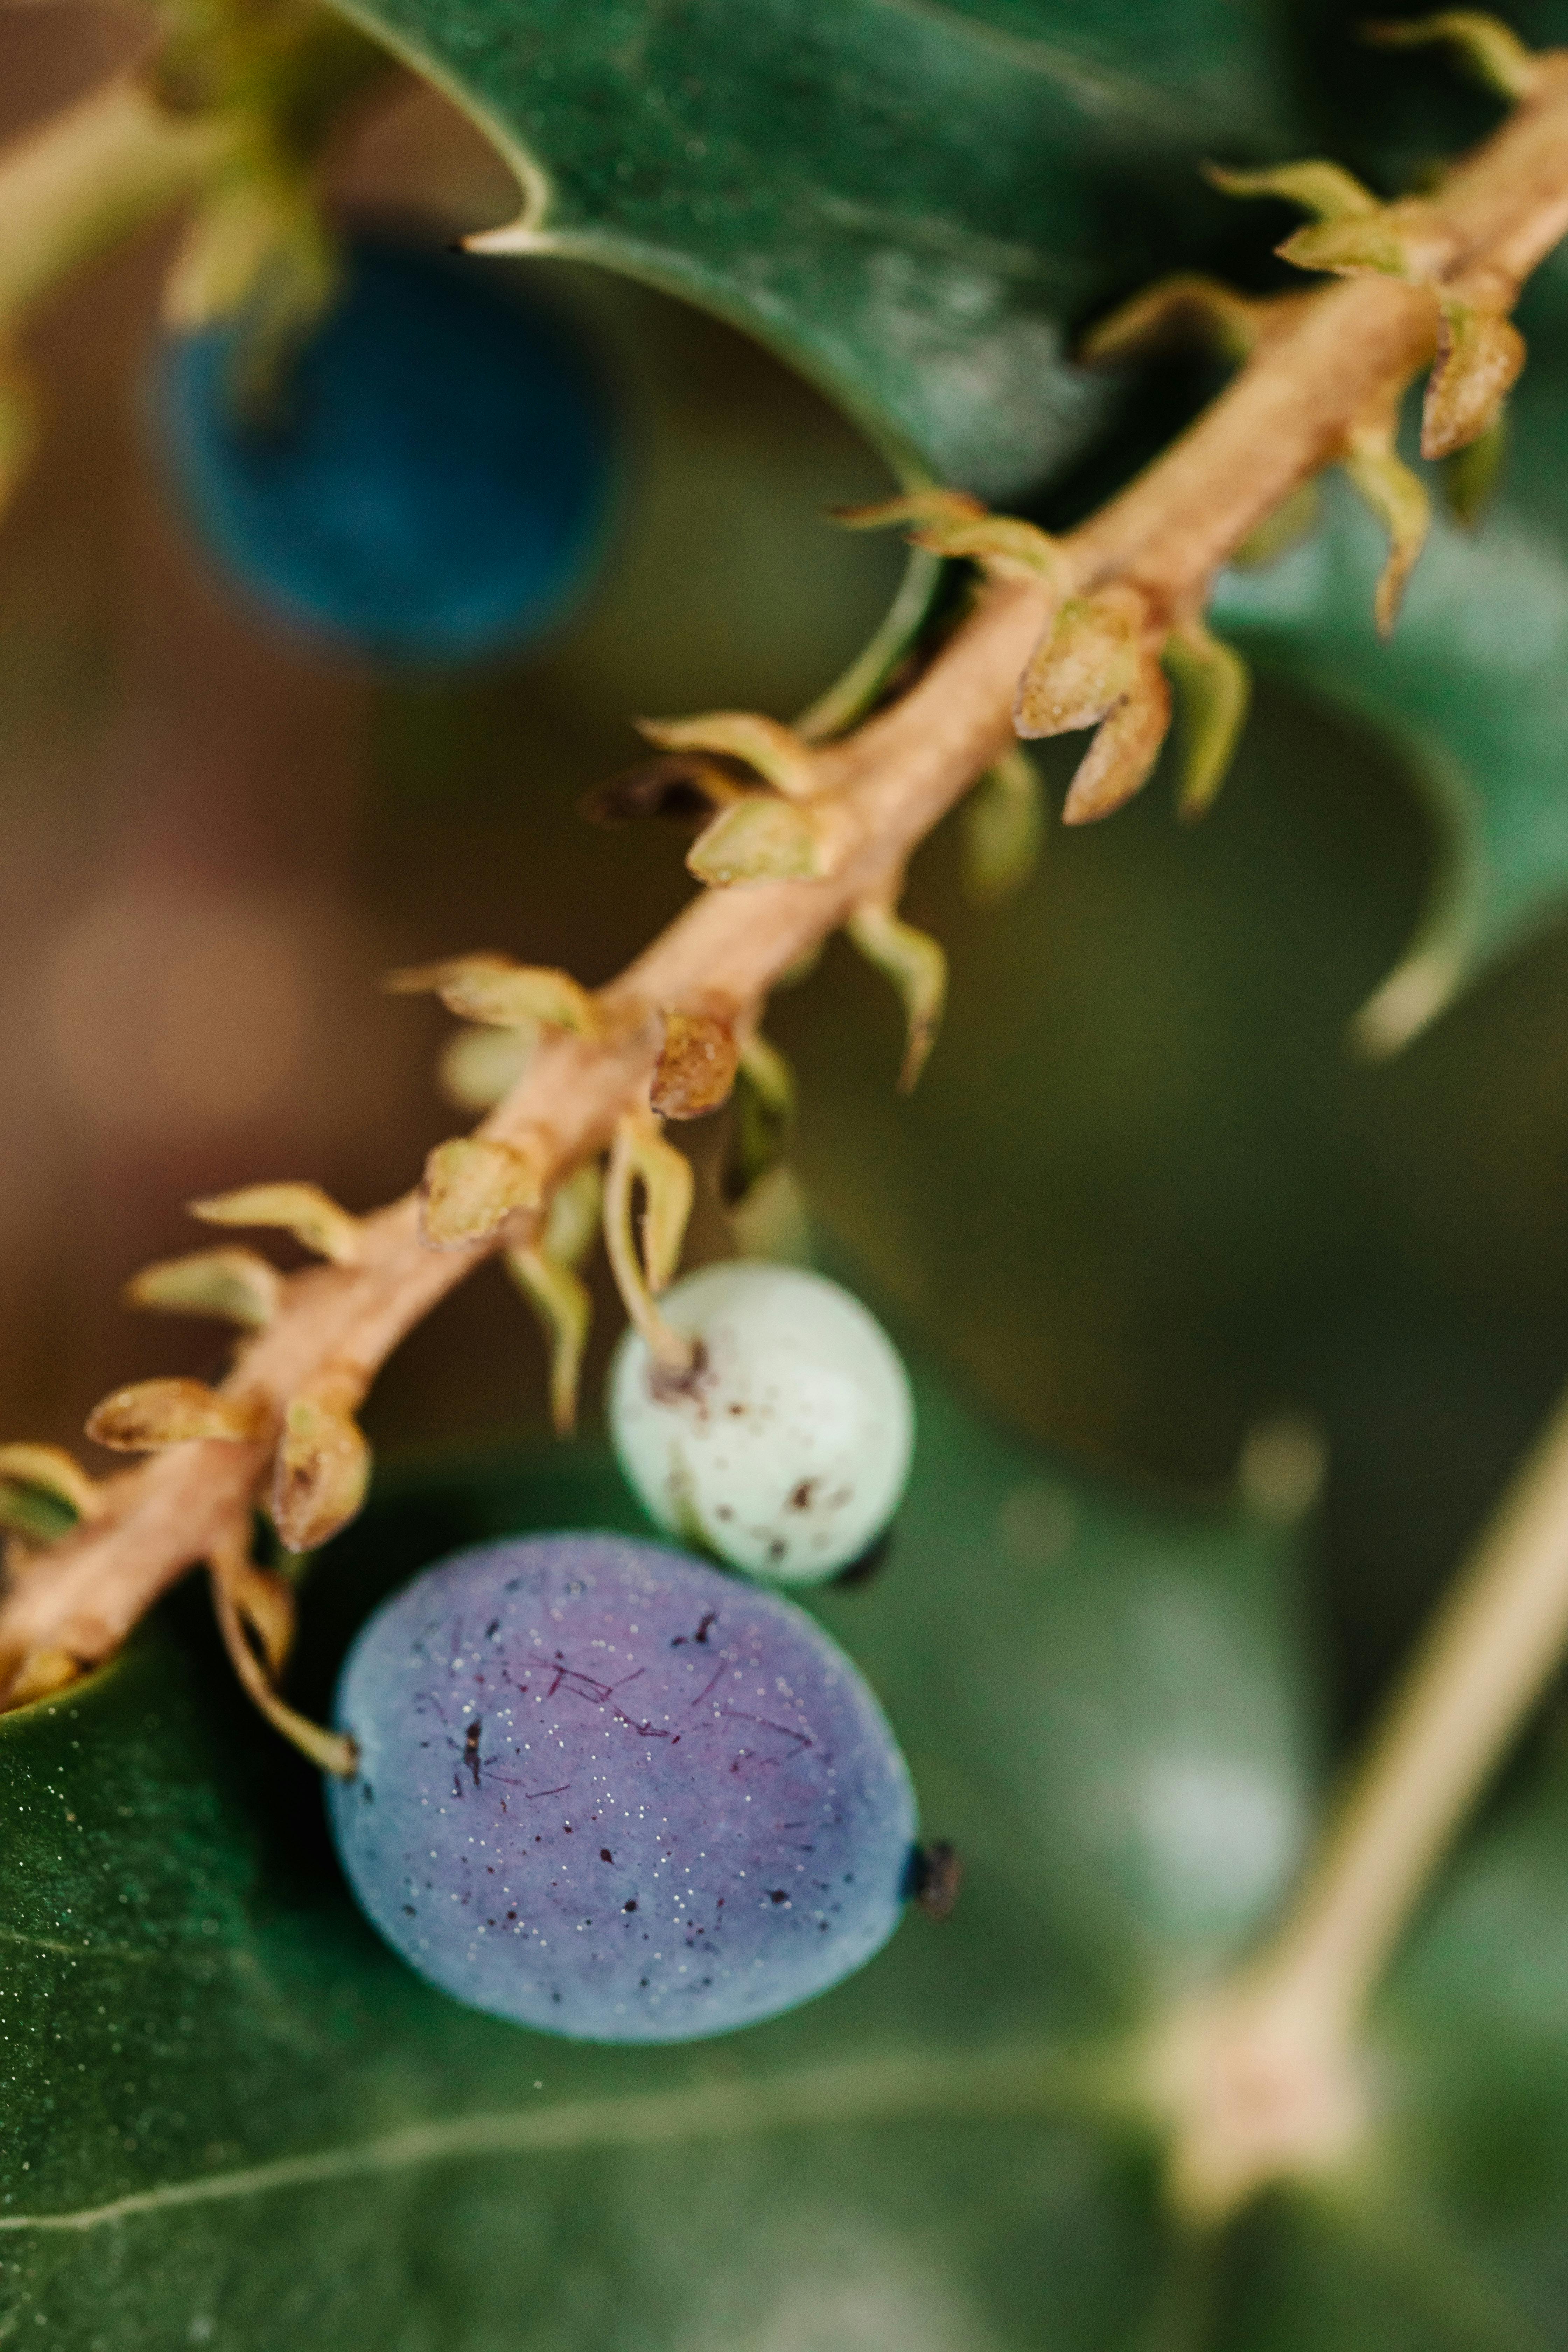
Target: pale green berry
{"points": [[787, 1449]]}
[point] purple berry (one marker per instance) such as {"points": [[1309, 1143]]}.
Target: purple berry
{"points": [[607, 1790]]}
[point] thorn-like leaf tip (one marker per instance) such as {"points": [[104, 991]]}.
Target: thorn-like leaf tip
{"points": [[917, 966], [1490, 50]]}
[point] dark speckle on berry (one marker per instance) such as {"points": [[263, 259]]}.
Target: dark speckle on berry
{"points": [[731, 1755]]}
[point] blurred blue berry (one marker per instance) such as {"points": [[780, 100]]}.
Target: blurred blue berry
{"points": [[434, 484]]}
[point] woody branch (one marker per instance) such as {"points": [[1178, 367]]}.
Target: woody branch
{"points": [[1321, 385]]}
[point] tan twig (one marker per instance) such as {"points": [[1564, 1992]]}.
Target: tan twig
{"points": [[1261, 2077], [1284, 415]]}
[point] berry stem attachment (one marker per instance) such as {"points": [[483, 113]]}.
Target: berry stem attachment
{"points": [[233, 1571], [639, 1155]]}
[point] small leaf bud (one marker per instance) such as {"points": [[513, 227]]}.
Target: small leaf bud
{"points": [[321, 1473], [315, 1221], [153, 1413], [501, 993], [1479, 356], [780, 756], [697, 1065], [1084, 664], [472, 1184], [758, 839], [1121, 757], [234, 1285], [917, 966]]}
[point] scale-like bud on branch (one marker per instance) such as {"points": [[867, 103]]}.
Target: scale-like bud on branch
{"points": [[760, 838], [780, 756], [640, 1155], [312, 1217], [668, 1186], [1084, 664], [153, 1413], [1213, 688], [1003, 827], [473, 1185], [1491, 50], [266, 1602], [952, 523], [1178, 311], [478, 1066], [1395, 241], [232, 1286], [1003, 545], [1325, 190], [322, 1472], [1353, 234], [911, 510], [1470, 475], [917, 966], [1293, 520], [1398, 499], [44, 1490], [1479, 356], [764, 1115], [501, 993], [1480, 352], [697, 1062], [562, 1302], [249, 1601], [54, 1472], [1122, 756], [1098, 667]]}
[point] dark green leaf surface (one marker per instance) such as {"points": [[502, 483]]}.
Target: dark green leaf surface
{"points": [[1473, 689], [918, 201], [1450, 2234], [232, 2117], [910, 199]]}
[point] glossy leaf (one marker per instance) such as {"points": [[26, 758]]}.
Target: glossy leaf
{"points": [[902, 197], [1449, 2234], [908, 199], [1472, 688], [234, 2116]]}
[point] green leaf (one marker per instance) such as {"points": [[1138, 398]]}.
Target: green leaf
{"points": [[232, 2117], [1449, 2234], [1474, 2036], [917, 201], [908, 199], [1473, 688]]}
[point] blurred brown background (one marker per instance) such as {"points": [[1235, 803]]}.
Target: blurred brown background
{"points": [[1143, 1196], [217, 837]]}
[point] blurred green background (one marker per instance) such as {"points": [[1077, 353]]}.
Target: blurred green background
{"points": [[1144, 1198]]}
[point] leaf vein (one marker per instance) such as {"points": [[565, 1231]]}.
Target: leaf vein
{"points": [[1014, 2083]]}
